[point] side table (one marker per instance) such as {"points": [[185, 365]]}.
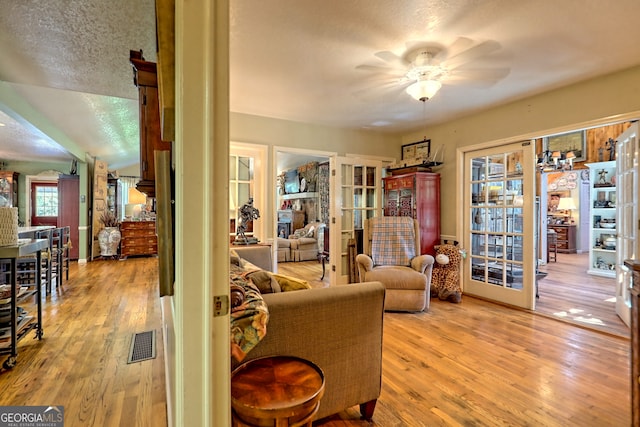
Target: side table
{"points": [[276, 391]]}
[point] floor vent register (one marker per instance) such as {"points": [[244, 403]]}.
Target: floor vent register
{"points": [[143, 347]]}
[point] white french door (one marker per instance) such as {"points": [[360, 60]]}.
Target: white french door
{"points": [[356, 194], [500, 223], [627, 192]]}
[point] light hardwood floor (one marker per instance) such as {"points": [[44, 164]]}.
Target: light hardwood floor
{"points": [[570, 294], [474, 363], [81, 362], [479, 363]]}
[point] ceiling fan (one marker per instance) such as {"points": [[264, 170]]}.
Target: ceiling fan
{"points": [[425, 67]]}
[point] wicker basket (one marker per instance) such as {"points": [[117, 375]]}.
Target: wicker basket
{"points": [[8, 226]]}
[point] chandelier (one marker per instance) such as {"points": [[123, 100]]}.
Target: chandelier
{"points": [[549, 161]]}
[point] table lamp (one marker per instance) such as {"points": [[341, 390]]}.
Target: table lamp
{"points": [[567, 204], [135, 202]]}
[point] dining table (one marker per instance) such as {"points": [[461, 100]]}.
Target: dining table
{"points": [[29, 232]]}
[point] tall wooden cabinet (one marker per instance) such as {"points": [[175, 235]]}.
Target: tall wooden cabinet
{"points": [[69, 209], [9, 189], [145, 77], [416, 195]]}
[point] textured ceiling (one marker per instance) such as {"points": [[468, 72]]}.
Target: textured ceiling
{"points": [[65, 72], [66, 85]]}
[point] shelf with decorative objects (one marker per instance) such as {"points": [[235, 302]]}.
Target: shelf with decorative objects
{"points": [[294, 196], [602, 248]]}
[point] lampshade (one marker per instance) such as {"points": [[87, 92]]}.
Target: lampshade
{"points": [[566, 203], [135, 197], [571, 155], [424, 89], [133, 210], [556, 155]]}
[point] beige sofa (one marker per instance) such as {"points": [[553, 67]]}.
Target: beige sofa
{"points": [[338, 328]]}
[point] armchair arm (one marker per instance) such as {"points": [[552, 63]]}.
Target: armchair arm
{"points": [[365, 263], [421, 262]]}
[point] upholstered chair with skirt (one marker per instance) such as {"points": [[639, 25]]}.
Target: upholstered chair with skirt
{"points": [[392, 256]]}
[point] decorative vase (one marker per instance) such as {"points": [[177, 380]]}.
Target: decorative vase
{"points": [[109, 239]]}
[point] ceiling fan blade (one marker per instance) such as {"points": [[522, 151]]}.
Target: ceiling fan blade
{"points": [[477, 76], [392, 58], [468, 55], [388, 90], [381, 69], [460, 45]]}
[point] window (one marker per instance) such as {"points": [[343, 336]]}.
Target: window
{"points": [[46, 200], [240, 186]]}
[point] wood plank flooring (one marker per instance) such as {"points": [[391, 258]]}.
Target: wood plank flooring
{"points": [[479, 363], [570, 294], [474, 363], [81, 362]]}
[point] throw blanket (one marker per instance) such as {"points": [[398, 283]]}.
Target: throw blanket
{"points": [[249, 317], [392, 240]]}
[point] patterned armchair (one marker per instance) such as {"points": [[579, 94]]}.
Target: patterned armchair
{"points": [[392, 256]]}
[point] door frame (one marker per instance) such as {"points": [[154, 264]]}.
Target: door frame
{"points": [[276, 150], [48, 177], [461, 151]]}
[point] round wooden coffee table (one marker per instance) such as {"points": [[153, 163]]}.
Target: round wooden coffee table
{"points": [[281, 389]]}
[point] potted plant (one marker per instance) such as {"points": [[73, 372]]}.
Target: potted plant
{"points": [[109, 237]]}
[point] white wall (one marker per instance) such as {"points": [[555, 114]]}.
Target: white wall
{"points": [[607, 99], [282, 133]]}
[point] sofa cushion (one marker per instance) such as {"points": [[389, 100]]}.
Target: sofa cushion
{"points": [[398, 277], [264, 281], [288, 283]]}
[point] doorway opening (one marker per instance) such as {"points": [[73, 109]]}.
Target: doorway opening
{"points": [[302, 203], [577, 213]]}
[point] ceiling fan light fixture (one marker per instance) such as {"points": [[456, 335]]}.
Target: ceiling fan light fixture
{"points": [[423, 90]]}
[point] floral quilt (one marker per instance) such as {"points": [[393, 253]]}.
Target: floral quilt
{"points": [[249, 315]]}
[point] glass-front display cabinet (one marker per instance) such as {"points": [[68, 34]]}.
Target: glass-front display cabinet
{"points": [[8, 189]]}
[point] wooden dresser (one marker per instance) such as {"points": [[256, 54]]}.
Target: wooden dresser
{"points": [[566, 237], [138, 238]]}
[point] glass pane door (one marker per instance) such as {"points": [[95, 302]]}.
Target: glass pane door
{"points": [[499, 205], [356, 188], [626, 217]]}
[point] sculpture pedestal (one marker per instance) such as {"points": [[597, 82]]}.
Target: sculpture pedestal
{"points": [[245, 241]]}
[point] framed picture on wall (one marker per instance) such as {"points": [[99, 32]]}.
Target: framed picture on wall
{"points": [[417, 149], [565, 142]]}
